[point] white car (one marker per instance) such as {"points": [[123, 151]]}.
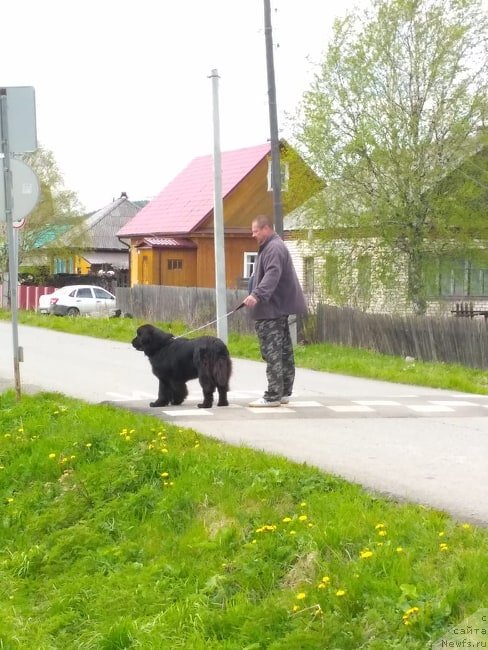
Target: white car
{"points": [[45, 300], [78, 299]]}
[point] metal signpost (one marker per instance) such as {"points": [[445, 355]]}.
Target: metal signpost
{"points": [[20, 188], [219, 246]]}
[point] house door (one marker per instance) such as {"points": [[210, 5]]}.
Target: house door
{"points": [[145, 270]]}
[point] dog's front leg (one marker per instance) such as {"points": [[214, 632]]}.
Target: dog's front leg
{"points": [[164, 395]]}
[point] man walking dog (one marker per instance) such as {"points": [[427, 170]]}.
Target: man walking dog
{"points": [[275, 293]]}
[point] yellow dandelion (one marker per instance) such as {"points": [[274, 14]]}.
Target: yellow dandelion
{"points": [[295, 608], [443, 547], [442, 533], [254, 541], [341, 592], [286, 520], [382, 533], [408, 615], [321, 585], [164, 474], [303, 504], [326, 580], [379, 526], [51, 456], [293, 532], [301, 595], [302, 518], [399, 549], [466, 526], [88, 445], [9, 500], [365, 554], [21, 430], [164, 450]]}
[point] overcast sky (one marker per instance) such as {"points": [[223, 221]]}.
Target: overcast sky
{"points": [[123, 94]]}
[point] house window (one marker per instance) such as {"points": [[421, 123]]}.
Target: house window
{"points": [[249, 261], [63, 266], [331, 274], [478, 281], [175, 265], [364, 279], [458, 279], [308, 274], [285, 176]]}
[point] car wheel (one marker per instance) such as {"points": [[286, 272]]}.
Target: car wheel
{"points": [[72, 311]]}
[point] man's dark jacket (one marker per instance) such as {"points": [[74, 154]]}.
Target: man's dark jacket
{"points": [[275, 282]]}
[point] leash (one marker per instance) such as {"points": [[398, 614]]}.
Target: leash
{"points": [[211, 322]]}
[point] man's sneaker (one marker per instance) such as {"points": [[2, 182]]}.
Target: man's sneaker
{"points": [[264, 403], [285, 399]]}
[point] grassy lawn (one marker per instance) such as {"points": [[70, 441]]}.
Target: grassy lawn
{"points": [[121, 531], [324, 357]]}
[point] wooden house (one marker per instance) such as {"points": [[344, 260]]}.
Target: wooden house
{"points": [[172, 238], [105, 252]]}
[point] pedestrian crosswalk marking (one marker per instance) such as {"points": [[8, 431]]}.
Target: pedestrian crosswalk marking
{"points": [[429, 408], [193, 412], [376, 402], [351, 408], [453, 402]]}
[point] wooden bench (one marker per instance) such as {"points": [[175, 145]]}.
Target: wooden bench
{"points": [[466, 310]]}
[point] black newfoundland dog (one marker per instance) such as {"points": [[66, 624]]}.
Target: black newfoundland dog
{"points": [[176, 360]]}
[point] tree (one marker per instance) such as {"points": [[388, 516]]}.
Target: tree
{"points": [[55, 226], [398, 108]]}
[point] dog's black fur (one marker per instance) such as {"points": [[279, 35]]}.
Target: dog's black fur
{"points": [[174, 361]]}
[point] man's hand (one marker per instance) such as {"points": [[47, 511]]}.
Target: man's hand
{"points": [[250, 301]]}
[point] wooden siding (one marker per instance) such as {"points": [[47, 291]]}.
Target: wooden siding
{"points": [[235, 247], [186, 276], [246, 201], [151, 266]]}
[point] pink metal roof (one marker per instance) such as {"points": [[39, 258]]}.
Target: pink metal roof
{"points": [[188, 198], [167, 242]]}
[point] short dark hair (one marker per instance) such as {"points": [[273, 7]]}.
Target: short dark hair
{"points": [[262, 221]]}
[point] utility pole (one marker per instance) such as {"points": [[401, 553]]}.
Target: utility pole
{"points": [[273, 123], [219, 245]]}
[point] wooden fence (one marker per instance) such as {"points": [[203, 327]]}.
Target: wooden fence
{"points": [[193, 306], [428, 338]]}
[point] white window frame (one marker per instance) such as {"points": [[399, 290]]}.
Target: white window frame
{"points": [[285, 176], [249, 263]]}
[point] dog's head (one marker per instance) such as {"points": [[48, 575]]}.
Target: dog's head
{"points": [[150, 339]]}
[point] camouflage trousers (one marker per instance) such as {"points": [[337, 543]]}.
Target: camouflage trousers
{"points": [[276, 349]]}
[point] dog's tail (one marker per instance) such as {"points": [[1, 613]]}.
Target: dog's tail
{"points": [[215, 358]]}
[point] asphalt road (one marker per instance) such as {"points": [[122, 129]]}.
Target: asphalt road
{"points": [[419, 444]]}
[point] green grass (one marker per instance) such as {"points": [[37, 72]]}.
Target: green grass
{"points": [[323, 357], [122, 531]]}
